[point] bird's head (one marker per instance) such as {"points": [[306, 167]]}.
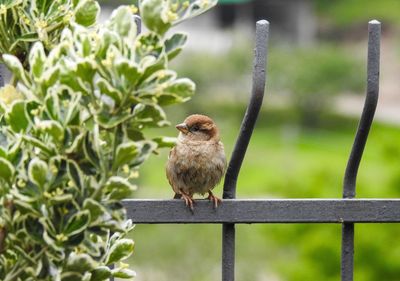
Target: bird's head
{"points": [[198, 127]]}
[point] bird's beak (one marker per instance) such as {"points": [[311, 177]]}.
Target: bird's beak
{"points": [[183, 128]]}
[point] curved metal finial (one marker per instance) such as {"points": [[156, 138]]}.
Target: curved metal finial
{"points": [[371, 100], [250, 117]]}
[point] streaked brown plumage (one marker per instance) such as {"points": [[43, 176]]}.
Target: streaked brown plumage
{"points": [[197, 163]]}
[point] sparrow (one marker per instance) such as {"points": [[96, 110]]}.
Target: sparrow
{"points": [[197, 162]]}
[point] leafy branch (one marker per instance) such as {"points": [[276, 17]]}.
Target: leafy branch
{"points": [[72, 141]]}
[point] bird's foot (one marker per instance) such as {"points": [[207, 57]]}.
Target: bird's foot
{"points": [[214, 199], [188, 201], [177, 196]]}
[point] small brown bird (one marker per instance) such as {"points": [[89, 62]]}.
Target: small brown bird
{"points": [[197, 162]]}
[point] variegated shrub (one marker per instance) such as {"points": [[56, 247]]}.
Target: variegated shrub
{"points": [[23, 22], [71, 141]]}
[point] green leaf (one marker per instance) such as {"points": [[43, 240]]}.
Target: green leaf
{"points": [[16, 67], [174, 45], [73, 117], [107, 39], [77, 223], [121, 250], [109, 121], [14, 152], [121, 21], [33, 229], [93, 248], [16, 117], [154, 13], [61, 199], [134, 133], [71, 276], [150, 115], [3, 153], [6, 170], [149, 49], [48, 149], [37, 59], [101, 273], [119, 188], [123, 273], [32, 108], [75, 174], [53, 128], [183, 88], [37, 171], [27, 37], [107, 89], [177, 92], [164, 142], [24, 254], [50, 77], [52, 104], [90, 152], [86, 12], [146, 148], [125, 154], [80, 262], [86, 69], [128, 70], [58, 251], [158, 79], [46, 222], [196, 8], [96, 209], [25, 207]]}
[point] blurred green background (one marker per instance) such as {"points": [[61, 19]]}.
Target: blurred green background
{"points": [[314, 95]]}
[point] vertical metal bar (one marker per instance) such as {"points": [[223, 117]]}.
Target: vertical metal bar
{"points": [[138, 21], [250, 117], [374, 33], [349, 184], [2, 74], [246, 130], [228, 252], [347, 267]]}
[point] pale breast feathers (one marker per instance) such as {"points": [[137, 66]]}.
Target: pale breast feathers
{"points": [[196, 168]]}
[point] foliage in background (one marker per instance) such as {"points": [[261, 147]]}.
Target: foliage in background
{"points": [[311, 78], [343, 13], [71, 141], [23, 22], [306, 79]]}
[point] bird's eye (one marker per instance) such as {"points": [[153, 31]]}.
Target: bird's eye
{"points": [[195, 128]]}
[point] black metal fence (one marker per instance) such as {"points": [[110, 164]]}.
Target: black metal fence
{"points": [[346, 211]]}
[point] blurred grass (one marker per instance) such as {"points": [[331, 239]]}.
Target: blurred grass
{"points": [[344, 13]]}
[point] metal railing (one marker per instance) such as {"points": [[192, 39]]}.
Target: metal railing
{"points": [[346, 211]]}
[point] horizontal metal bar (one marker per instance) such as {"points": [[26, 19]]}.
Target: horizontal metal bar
{"points": [[265, 211]]}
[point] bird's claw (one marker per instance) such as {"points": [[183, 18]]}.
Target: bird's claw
{"points": [[214, 199], [188, 201]]}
